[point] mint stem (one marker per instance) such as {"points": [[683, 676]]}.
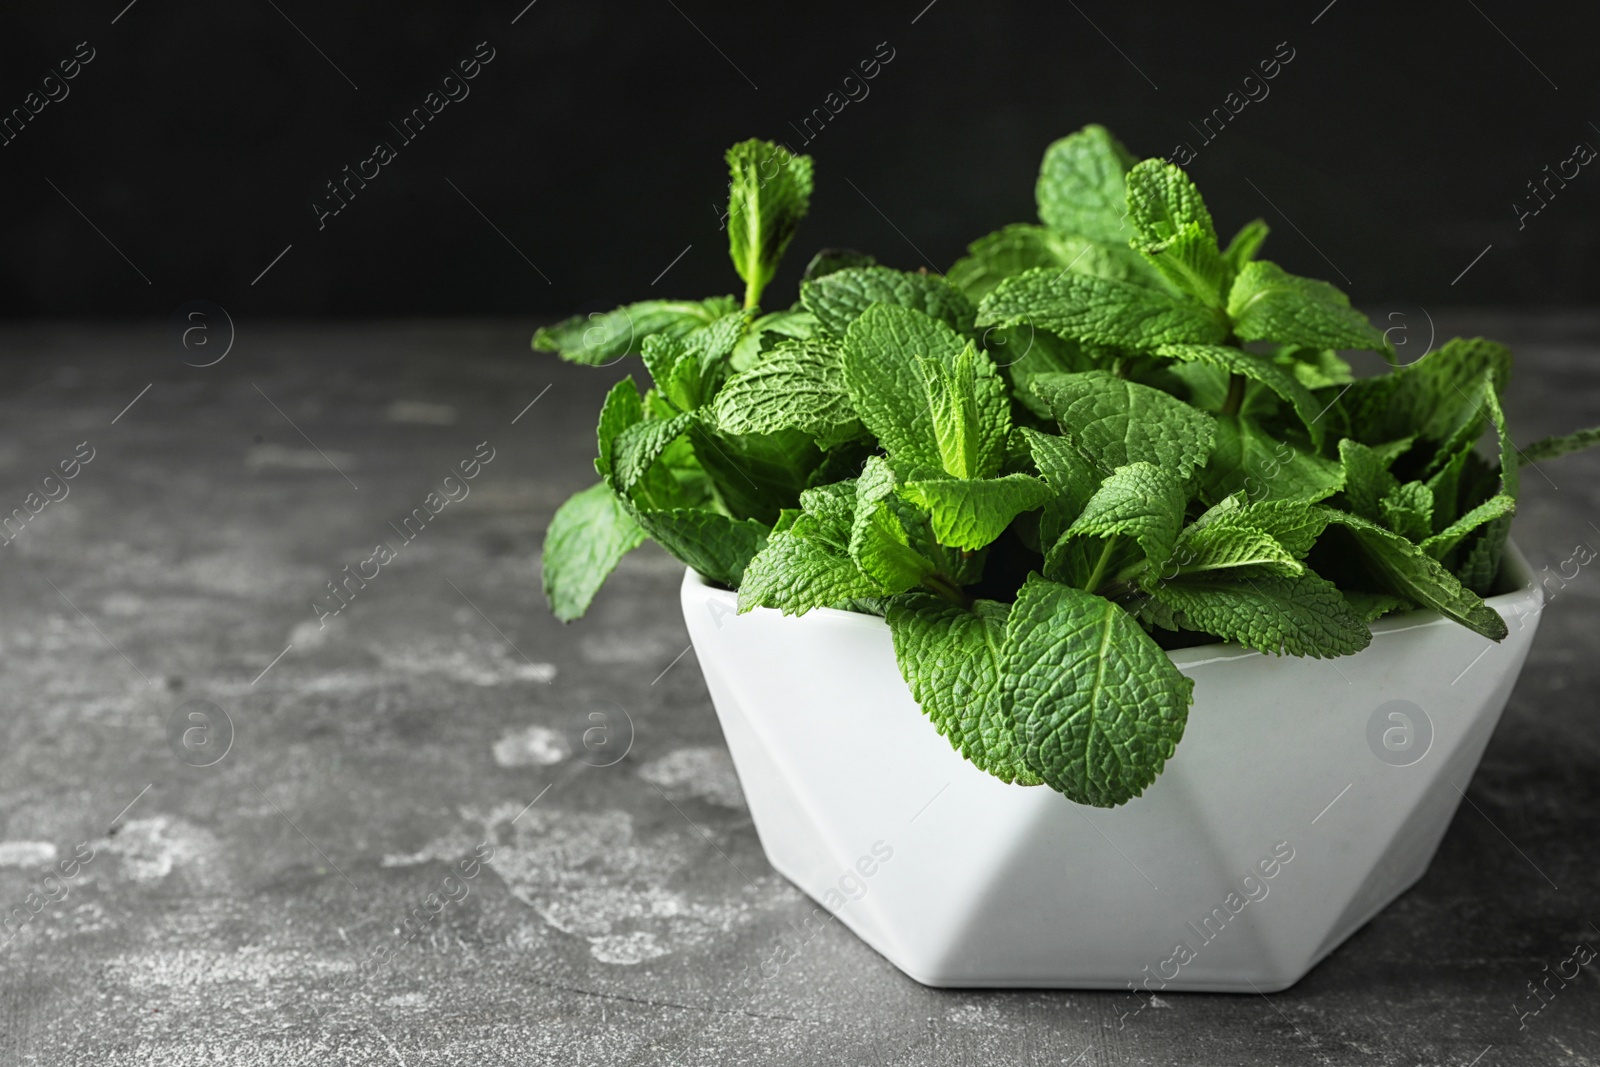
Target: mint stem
{"points": [[1235, 398], [1100, 565], [944, 587]]}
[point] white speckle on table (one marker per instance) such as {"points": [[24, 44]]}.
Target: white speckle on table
{"points": [[706, 773], [446, 849], [588, 876], [150, 849], [532, 746], [474, 660], [632, 646], [26, 853]]}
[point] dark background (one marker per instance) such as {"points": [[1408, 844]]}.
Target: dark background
{"points": [[200, 135]]}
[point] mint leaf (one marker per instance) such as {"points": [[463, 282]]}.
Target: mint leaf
{"points": [[1412, 574], [1224, 546], [1431, 398], [1100, 310], [1138, 501], [1267, 303], [807, 564], [884, 378], [1294, 524], [716, 546], [1024, 353], [755, 474], [1020, 247], [1113, 422], [589, 534], [1081, 186], [1302, 615], [769, 192], [1552, 447], [767, 331], [621, 409], [1370, 607], [1408, 511], [950, 659], [1248, 459], [838, 299], [1367, 480], [1174, 230], [1496, 507], [1070, 476], [882, 531], [1245, 244], [1098, 707], [605, 337], [970, 513], [634, 453], [798, 385], [1259, 369], [970, 411]]}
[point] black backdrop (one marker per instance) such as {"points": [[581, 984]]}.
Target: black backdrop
{"points": [[182, 160]]}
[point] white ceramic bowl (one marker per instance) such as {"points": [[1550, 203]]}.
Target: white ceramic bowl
{"points": [[1305, 796]]}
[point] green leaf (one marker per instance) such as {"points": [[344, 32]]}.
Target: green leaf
{"points": [[807, 564], [1071, 477], [1191, 262], [1246, 458], [1100, 311], [1007, 252], [1370, 607], [970, 513], [636, 450], [1293, 524], [1367, 480], [1174, 230], [1098, 707], [755, 474], [767, 331], [1266, 303], [1081, 186], [716, 546], [1497, 506], [881, 531], [1302, 615], [970, 411], [798, 385], [1431, 398], [1223, 546], [589, 534], [769, 192], [1551, 447], [1114, 422], [1139, 501], [884, 378], [1408, 511], [838, 299], [622, 408], [605, 337], [950, 659], [1412, 574], [1259, 369], [1024, 353], [1245, 244]]}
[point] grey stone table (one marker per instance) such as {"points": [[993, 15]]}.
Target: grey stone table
{"points": [[437, 827]]}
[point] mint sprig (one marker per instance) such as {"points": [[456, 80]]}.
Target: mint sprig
{"points": [[1102, 435]]}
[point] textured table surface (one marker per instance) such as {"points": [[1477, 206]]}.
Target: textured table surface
{"points": [[252, 911]]}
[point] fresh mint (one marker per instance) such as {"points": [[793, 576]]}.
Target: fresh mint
{"points": [[1101, 436]]}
